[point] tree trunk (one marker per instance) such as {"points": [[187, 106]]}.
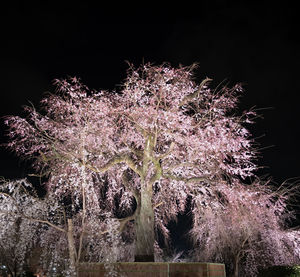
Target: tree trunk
{"points": [[72, 249], [144, 228], [236, 266]]}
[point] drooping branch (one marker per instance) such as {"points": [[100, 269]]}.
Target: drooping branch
{"points": [[45, 222], [22, 215], [195, 94]]}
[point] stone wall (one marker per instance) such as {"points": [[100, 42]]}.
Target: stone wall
{"points": [[154, 270]]}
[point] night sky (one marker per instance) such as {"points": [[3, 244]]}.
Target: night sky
{"points": [[256, 44]]}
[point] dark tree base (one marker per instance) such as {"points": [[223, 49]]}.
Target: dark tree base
{"points": [[144, 258]]}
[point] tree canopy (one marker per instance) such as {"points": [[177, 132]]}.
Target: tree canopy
{"points": [[139, 153]]}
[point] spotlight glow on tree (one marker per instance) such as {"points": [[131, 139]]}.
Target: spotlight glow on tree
{"points": [[63, 237], [245, 227], [161, 139]]}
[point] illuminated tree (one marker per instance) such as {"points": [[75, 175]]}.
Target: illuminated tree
{"points": [[16, 241], [63, 237], [159, 140], [245, 226], [17, 235]]}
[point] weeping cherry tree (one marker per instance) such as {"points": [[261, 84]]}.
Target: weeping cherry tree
{"points": [[160, 139]]}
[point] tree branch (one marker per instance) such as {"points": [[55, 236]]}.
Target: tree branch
{"points": [[143, 130], [46, 222], [161, 157], [35, 220], [189, 97], [158, 173], [122, 158], [157, 205], [183, 164], [123, 222], [126, 180], [187, 180]]}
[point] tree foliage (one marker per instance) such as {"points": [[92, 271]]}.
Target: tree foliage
{"points": [[249, 231], [62, 236]]}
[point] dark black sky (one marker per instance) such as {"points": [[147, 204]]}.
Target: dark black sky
{"points": [[255, 43]]}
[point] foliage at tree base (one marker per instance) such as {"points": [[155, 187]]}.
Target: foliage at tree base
{"points": [[281, 271]]}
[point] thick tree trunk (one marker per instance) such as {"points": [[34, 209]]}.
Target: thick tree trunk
{"points": [[72, 249], [144, 228]]}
